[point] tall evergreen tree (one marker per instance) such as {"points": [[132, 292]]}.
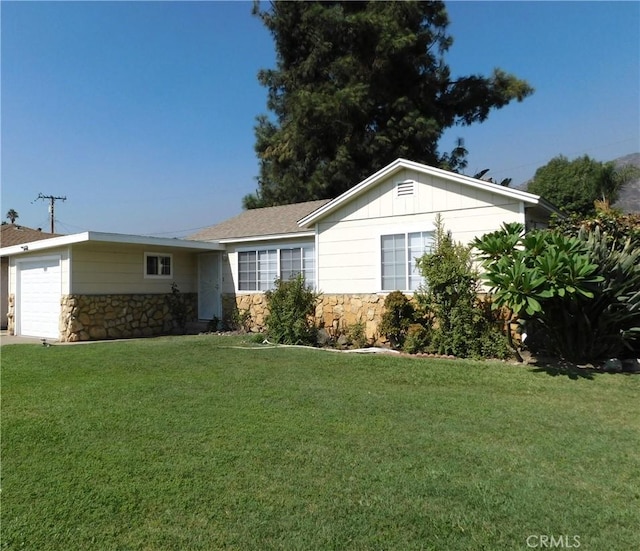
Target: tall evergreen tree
{"points": [[357, 85]]}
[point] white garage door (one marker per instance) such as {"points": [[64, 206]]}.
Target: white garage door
{"points": [[39, 290]]}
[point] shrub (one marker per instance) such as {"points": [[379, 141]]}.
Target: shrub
{"points": [[398, 315], [449, 301], [257, 338], [617, 228], [213, 324], [609, 324], [356, 335], [291, 310], [418, 339], [178, 308], [239, 320], [581, 294]]}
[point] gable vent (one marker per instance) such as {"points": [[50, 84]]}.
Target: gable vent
{"points": [[404, 189]]}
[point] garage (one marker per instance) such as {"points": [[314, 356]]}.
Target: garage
{"points": [[38, 297]]}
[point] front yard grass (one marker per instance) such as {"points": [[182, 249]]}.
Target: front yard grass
{"points": [[186, 443]]}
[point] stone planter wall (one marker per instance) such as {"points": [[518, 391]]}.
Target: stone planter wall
{"points": [[333, 312], [11, 314], [96, 317]]}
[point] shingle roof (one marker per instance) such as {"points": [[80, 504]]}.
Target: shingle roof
{"points": [[278, 220], [14, 234]]}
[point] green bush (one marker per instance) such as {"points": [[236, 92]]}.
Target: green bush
{"points": [[238, 320], [580, 295], [608, 325], [398, 315], [214, 324], [356, 335], [418, 339], [291, 312], [178, 308], [617, 228], [257, 338], [461, 325]]}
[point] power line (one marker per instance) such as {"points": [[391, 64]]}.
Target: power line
{"points": [[173, 232], [179, 231], [52, 202]]}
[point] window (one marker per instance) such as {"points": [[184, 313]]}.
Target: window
{"points": [[247, 271], [257, 270], [267, 269], [398, 259], [158, 265], [298, 261], [394, 262]]}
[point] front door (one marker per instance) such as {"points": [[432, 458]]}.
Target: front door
{"points": [[209, 286]]}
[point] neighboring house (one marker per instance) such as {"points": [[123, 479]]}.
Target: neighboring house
{"points": [[354, 249], [10, 235]]}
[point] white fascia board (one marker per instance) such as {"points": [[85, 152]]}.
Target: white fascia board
{"points": [[277, 237], [550, 207], [349, 194], [154, 241], [100, 237], [44, 244], [400, 164]]}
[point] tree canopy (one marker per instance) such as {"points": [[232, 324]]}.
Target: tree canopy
{"points": [[357, 85], [12, 215], [575, 186]]}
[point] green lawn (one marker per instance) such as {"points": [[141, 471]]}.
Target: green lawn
{"points": [[187, 443]]}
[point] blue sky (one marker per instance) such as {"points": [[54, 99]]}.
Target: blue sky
{"points": [[142, 113]]}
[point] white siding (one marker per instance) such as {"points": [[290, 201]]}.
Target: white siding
{"points": [[349, 238], [108, 268]]}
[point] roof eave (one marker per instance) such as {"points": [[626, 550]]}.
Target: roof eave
{"points": [[272, 237], [101, 237], [400, 164]]}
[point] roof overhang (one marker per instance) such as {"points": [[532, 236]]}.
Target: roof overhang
{"points": [[529, 199], [278, 237], [100, 237]]}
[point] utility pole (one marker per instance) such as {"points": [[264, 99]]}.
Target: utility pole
{"points": [[52, 202]]}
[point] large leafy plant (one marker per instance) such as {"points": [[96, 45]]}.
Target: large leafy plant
{"points": [[581, 294], [525, 271], [614, 313]]}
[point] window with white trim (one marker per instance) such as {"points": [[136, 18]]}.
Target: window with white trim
{"points": [[158, 265], [258, 269], [398, 259]]}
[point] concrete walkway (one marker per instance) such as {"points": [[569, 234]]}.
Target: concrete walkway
{"points": [[5, 338]]}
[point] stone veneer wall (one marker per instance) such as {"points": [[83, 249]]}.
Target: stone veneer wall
{"points": [[95, 317], [333, 312], [11, 321]]}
